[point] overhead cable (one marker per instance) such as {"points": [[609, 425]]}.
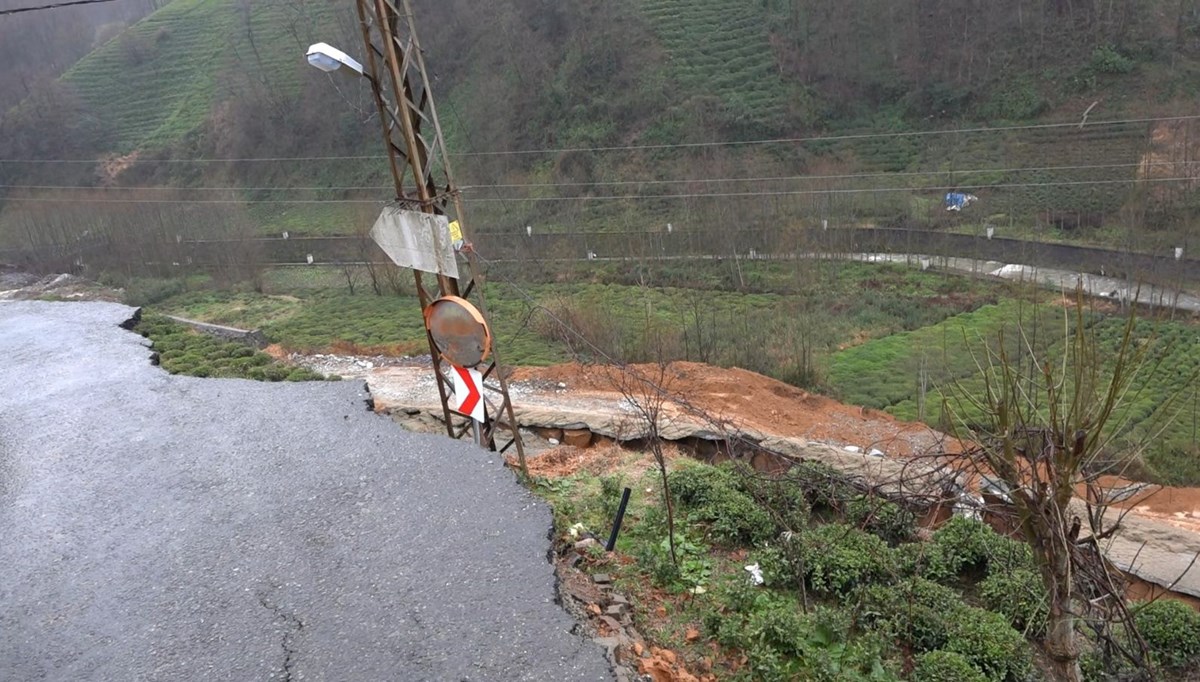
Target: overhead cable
{"points": [[676, 145]]}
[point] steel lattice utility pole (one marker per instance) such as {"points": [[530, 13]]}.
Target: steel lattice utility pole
{"points": [[413, 136]]}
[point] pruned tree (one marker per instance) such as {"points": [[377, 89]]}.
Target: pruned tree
{"points": [[1044, 426]]}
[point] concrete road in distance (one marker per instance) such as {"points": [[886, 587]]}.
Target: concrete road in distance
{"points": [[155, 527]]}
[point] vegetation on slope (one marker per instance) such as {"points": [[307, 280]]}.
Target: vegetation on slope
{"points": [[224, 79], [849, 593], [183, 351], [912, 374], [793, 316]]}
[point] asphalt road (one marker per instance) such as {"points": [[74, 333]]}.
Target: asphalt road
{"points": [[155, 527]]}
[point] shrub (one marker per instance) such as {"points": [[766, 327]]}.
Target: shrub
{"points": [[836, 558], [1007, 554], [945, 666], [987, 640], [961, 545], [1172, 631], [1020, 596], [711, 496], [148, 291], [303, 374], [891, 522], [1106, 59], [917, 612], [1016, 101], [780, 643], [692, 569], [782, 496], [182, 351], [769, 630], [830, 656], [824, 487]]}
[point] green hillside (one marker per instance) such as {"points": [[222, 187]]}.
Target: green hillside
{"points": [[720, 49], [224, 79], [1158, 414], [158, 82]]}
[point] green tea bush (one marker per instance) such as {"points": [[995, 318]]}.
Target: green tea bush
{"points": [[712, 496], [831, 656], [825, 488], [945, 666], [836, 558], [891, 522], [182, 351], [959, 546], [987, 640], [1020, 596], [916, 612], [767, 628], [781, 643], [1008, 554], [782, 496], [1172, 631]]}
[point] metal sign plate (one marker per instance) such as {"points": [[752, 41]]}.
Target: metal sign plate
{"points": [[417, 240]]}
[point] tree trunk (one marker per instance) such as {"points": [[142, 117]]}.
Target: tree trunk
{"points": [[1061, 644], [662, 468]]}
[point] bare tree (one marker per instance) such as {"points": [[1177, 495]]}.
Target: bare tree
{"points": [[1044, 427], [647, 394]]}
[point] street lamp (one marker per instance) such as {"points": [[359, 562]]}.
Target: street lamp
{"points": [[402, 76], [328, 59]]}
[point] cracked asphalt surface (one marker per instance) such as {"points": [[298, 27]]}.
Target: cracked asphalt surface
{"points": [[155, 527]]}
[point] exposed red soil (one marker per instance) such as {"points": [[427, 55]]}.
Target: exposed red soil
{"points": [[758, 402], [565, 460], [1179, 507], [773, 407]]}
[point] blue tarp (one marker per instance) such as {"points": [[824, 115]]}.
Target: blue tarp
{"points": [[957, 201]]}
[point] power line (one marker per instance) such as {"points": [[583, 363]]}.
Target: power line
{"points": [[84, 200], [680, 145], [852, 190], [834, 138], [38, 8], [611, 183], [624, 197], [845, 176], [132, 188], [249, 159]]}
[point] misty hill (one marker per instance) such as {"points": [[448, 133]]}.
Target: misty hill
{"points": [[222, 79], [40, 46]]}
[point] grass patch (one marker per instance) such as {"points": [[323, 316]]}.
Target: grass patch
{"points": [[1158, 414], [183, 351], [792, 318]]}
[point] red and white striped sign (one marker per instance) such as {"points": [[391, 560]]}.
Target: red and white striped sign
{"points": [[468, 395]]}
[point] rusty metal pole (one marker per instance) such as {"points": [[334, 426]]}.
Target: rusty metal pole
{"points": [[399, 62], [402, 96], [461, 213]]}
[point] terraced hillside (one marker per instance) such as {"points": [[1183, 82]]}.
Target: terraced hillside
{"points": [[719, 48], [585, 82], [158, 81], [1018, 173]]}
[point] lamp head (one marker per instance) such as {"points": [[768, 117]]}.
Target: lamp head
{"points": [[328, 59]]}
